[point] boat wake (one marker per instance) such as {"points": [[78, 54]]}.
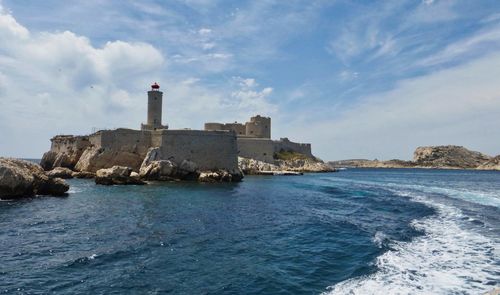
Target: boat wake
{"points": [[447, 259]]}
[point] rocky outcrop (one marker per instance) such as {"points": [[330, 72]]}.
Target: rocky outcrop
{"points": [[449, 156], [217, 176], [492, 164], [436, 157], [255, 167], [281, 167], [94, 159], [304, 165], [60, 172], [154, 168], [117, 175], [19, 178], [65, 151], [53, 159], [158, 170]]}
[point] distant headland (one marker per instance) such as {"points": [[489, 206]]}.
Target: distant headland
{"points": [[436, 157]]}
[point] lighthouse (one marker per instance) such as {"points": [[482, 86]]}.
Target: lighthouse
{"points": [[155, 97]]}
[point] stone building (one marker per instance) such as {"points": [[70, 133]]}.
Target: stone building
{"points": [[254, 139], [258, 126]]}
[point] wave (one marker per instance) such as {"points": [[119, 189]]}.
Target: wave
{"points": [[447, 259]]}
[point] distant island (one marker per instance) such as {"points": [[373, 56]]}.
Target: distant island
{"points": [[435, 157]]}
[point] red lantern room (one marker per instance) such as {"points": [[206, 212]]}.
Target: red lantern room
{"points": [[155, 86]]}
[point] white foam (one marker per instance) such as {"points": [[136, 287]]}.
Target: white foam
{"points": [[379, 239], [447, 259]]}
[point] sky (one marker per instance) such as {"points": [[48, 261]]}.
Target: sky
{"points": [[357, 79]]}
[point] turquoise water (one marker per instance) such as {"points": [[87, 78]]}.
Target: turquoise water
{"points": [[364, 231]]}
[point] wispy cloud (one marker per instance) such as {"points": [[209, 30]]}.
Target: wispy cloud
{"points": [[482, 42]]}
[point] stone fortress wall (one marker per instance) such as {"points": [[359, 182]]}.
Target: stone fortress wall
{"points": [[124, 140], [261, 149], [254, 139], [210, 150], [69, 143]]}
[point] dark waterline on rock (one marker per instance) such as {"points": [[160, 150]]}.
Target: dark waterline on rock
{"points": [[266, 235]]}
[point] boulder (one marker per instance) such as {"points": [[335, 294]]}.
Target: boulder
{"points": [[153, 154], [220, 176], [54, 186], [210, 177], [158, 170], [188, 170], [94, 159], [60, 172], [116, 175], [19, 178]]}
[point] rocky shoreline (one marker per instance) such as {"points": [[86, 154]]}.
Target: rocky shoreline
{"points": [[431, 157], [283, 167], [20, 178]]}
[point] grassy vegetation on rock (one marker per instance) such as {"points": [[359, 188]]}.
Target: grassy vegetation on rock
{"points": [[289, 155]]}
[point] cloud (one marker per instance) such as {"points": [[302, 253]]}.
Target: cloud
{"points": [[483, 41], [366, 34], [204, 31], [53, 82], [194, 104], [454, 106], [434, 12]]}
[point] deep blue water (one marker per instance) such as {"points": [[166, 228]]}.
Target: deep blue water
{"points": [[359, 231]]}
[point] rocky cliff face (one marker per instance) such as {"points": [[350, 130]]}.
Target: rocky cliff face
{"points": [[449, 156], [66, 150], [94, 159]]}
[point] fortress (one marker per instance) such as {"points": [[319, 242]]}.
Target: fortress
{"points": [[217, 147], [254, 139]]}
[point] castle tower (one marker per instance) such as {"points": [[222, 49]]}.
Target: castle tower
{"points": [[258, 127], [155, 97]]}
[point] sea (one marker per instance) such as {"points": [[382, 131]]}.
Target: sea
{"points": [[356, 231]]}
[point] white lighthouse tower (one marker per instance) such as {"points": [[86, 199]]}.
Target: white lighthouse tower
{"points": [[155, 97]]}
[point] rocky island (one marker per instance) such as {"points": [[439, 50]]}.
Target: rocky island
{"points": [[436, 157], [222, 152]]}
